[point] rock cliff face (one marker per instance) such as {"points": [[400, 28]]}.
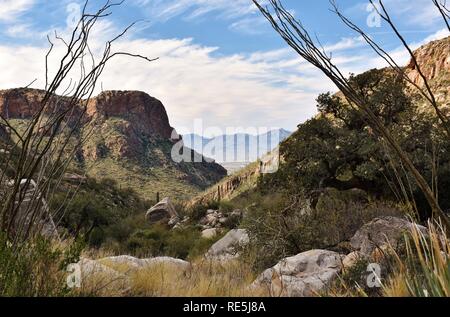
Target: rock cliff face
{"points": [[147, 114], [434, 61], [22, 103], [136, 114]]}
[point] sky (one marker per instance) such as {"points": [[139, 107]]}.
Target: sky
{"points": [[220, 63]]}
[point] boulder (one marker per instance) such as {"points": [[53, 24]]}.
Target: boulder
{"points": [[123, 260], [381, 231], [163, 212], [33, 211], [99, 279], [228, 247], [303, 275], [210, 233], [129, 263], [166, 261]]}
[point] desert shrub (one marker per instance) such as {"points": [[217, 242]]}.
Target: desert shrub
{"points": [[226, 206], [199, 211], [36, 268], [99, 211], [289, 227], [160, 241]]}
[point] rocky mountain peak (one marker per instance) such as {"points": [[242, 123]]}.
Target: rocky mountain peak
{"points": [[145, 113]]}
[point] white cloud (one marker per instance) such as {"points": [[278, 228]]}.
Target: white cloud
{"points": [[264, 89], [11, 9]]}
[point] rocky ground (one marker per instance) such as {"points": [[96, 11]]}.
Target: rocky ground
{"points": [[310, 273]]}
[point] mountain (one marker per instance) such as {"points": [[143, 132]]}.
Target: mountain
{"points": [[235, 151], [128, 139]]}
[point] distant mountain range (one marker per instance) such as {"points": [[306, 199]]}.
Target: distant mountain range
{"points": [[236, 150]]}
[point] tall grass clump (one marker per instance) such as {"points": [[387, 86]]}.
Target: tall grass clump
{"points": [[425, 270]]}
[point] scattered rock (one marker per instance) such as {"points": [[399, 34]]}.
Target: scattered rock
{"points": [[352, 259], [163, 212], [210, 233], [216, 219], [381, 231], [228, 247], [303, 275]]}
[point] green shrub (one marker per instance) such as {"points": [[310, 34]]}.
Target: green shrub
{"points": [[199, 210]]}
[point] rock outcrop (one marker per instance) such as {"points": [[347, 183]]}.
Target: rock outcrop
{"points": [[147, 114], [381, 232], [113, 276], [229, 246], [304, 275], [434, 61], [132, 263], [163, 212]]}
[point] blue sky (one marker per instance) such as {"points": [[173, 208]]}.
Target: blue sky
{"points": [[219, 59]]}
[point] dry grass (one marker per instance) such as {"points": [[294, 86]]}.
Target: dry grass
{"points": [[425, 271], [204, 278]]}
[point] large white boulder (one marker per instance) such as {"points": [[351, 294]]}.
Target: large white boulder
{"points": [[303, 275], [99, 279], [167, 262], [228, 247], [128, 263]]}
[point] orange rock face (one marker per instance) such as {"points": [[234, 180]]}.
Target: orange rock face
{"points": [[144, 113], [433, 59], [139, 115]]}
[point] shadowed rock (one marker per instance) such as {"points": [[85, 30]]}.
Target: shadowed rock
{"points": [[163, 212]]}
